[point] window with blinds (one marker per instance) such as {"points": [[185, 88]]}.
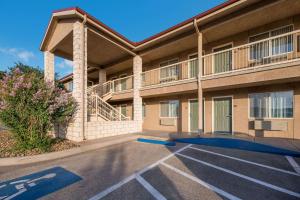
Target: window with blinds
{"points": [[169, 108], [273, 47], [193, 66], [271, 105], [169, 72]]}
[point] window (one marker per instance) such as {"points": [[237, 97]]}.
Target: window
{"points": [[70, 86], [123, 109], [144, 110], [271, 105], [223, 60], [193, 65], [122, 82], [169, 108], [169, 73], [276, 46]]}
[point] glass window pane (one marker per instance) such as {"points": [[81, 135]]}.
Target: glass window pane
{"points": [[282, 104], [173, 112], [164, 109], [259, 105]]}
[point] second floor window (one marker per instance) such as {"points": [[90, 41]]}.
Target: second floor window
{"points": [[223, 59], [273, 47], [169, 71], [169, 109], [193, 65]]}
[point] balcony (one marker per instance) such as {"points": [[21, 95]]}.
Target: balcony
{"points": [[115, 89], [259, 54], [178, 72], [119, 85]]}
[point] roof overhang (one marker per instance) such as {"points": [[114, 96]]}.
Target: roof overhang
{"points": [[79, 14]]}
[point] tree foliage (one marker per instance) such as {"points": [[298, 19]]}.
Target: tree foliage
{"points": [[30, 107]]}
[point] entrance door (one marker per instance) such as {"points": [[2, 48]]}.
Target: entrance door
{"points": [[223, 115], [194, 115], [193, 107]]}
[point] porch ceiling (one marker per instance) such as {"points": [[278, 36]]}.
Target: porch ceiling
{"points": [[100, 51]]}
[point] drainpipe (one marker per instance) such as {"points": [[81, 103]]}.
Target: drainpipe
{"points": [[196, 27], [84, 69], [200, 92]]}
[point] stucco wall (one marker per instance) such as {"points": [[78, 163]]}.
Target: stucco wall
{"points": [[152, 118], [241, 110]]}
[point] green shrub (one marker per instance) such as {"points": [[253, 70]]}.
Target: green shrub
{"points": [[30, 107]]}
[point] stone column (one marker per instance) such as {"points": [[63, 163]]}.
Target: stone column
{"points": [[102, 80], [49, 66], [200, 92], [102, 76], [137, 99], [79, 80]]}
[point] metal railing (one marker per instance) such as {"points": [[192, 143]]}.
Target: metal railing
{"points": [[99, 108], [122, 84], [179, 71], [113, 86], [273, 50]]}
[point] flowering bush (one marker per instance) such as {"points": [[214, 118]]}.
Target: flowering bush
{"points": [[29, 106]]}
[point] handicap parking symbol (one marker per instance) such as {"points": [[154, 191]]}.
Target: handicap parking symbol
{"points": [[37, 185]]}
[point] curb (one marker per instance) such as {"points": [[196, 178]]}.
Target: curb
{"points": [[4, 162]]}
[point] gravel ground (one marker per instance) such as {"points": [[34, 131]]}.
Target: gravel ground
{"points": [[7, 146]]}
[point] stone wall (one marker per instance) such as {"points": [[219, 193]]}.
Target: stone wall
{"points": [[99, 129]]}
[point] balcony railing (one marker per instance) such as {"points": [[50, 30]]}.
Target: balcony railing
{"points": [[273, 50], [122, 84], [175, 72], [113, 86]]}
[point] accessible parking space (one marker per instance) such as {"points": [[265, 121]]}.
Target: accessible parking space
{"points": [[202, 172], [137, 170]]}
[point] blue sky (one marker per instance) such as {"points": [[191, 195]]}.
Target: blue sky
{"points": [[24, 22]]}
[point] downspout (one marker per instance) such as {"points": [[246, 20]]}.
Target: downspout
{"points": [[196, 27], [84, 72], [200, 92]]}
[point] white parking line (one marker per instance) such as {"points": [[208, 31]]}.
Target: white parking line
{"points": [[133, 176], [274, 187], [294, 164], [197, 180], [150, 188], [248, 162], [112, 188]]}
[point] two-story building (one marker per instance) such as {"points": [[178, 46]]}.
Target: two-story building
{"points": [[234, 69]]}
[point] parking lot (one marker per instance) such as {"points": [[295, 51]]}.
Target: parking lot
{"points": [[137, 170], [203, 172]]}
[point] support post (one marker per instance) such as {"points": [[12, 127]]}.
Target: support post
{"points": [[49, 66], [137, 99], [200, 92], [79, 79], [102, 80]]}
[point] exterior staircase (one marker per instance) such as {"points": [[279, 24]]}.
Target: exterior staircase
{"points": [[98, 108]]}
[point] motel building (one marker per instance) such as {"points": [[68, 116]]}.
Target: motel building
{"points": [[233, 69]]}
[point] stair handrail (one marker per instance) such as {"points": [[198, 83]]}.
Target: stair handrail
{"points": [[116, 113]]}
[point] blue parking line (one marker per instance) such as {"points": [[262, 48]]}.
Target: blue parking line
{"points": [[239, 144], [161, 142], [38, 184]]}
